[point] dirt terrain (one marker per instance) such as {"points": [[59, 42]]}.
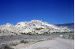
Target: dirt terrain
{"points": [[57, 43], [36, 42]]}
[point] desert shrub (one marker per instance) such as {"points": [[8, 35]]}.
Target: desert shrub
{"points": [[71, 36], [6, 47], [29, 33], [23, 33], [22, 41], [68, 36], [14, 44]]}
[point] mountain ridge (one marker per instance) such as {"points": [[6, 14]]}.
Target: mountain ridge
{"points": [[32, 27]]}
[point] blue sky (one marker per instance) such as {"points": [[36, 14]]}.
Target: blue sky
{"points": [[51, 11]]}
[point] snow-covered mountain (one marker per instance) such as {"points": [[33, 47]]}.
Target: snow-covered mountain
{"points": [[31, 27]]}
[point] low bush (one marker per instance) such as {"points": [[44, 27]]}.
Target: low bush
{"points": [[22, 41], [6, 47]]}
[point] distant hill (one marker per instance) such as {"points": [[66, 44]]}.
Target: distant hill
{"points": [[69, 25]]}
